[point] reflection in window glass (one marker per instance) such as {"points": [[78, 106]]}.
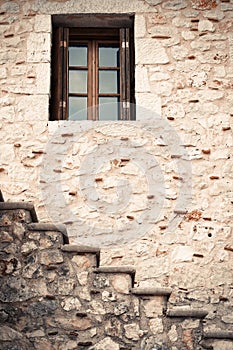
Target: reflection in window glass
{"points": [[78, 56], [109, 56], [78, 81], [77, 108], [108, 108], [108, 82]]}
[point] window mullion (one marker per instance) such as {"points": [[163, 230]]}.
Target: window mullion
{"points": [[96, 80], [90, 81], [122, 74], [57, 71], [65, 67], [127, 73]]}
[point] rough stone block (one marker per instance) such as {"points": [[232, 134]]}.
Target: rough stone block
{"points": [[9, 334], [10, 7], [141, 81], [84, 262], [50, 257], [206, 26], [156, 325], [154, 307], [132, 331], [71, 303], [39, 110], [106, 344], [182, 254], [148, 106], [38, 47], [43, 23], [154, 2], [42, 85], [140, 26], [172, 334], [175, 5], [179, 52], [121, 284], [150, 51]]}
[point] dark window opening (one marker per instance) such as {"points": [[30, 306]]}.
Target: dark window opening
{"points": [[92, 68]]}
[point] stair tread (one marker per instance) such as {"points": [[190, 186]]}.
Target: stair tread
{"points": [[186, 311], [116, 269], [20, 205], [152, 291], [80, 248], [219, 334]]}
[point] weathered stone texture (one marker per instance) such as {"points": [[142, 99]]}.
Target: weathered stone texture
{"points": [[96, 179], [53, 308]]}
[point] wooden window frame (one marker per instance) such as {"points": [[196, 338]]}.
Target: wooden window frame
{"points": [[91, 28]]}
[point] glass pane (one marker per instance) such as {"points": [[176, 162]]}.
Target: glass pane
{"points": [[109, 82], [109, 56], [77, 108], [108, 108], [78, 56], [78, 81]]}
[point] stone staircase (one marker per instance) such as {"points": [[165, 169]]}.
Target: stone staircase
{"points": [[57, 296]]}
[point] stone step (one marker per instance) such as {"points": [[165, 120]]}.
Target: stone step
{"points": [[120, 279], [18, 211], [181, 311], [128, 270], [218, 334], [50, 227], [152, 300], [82, 250]]}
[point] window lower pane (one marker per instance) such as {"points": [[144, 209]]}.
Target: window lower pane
{"points": [[78, 81], [77, 108], [109, 82], [108, 108]]}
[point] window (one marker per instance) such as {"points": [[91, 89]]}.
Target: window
{"points": [[92, 68]]}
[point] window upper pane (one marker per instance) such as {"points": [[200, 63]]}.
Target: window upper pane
{"points": [[78, 56], [109, 55]]}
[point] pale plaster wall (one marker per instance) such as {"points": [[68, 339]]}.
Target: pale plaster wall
{"points": [[177, 222]]}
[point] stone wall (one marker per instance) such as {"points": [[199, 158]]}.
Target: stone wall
{"points": [[157, 191], [55, 296]]}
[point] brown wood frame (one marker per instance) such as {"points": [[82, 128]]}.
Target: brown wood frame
{"points": [[92, 30]]}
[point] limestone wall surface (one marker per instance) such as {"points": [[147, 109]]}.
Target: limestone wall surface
{"points": [[157, 192]]}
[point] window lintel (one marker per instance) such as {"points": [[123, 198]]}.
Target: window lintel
{"points": [[94, 20]]}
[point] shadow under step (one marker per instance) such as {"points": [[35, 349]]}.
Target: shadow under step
{"points": [[156, 291], [1, 197]]}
